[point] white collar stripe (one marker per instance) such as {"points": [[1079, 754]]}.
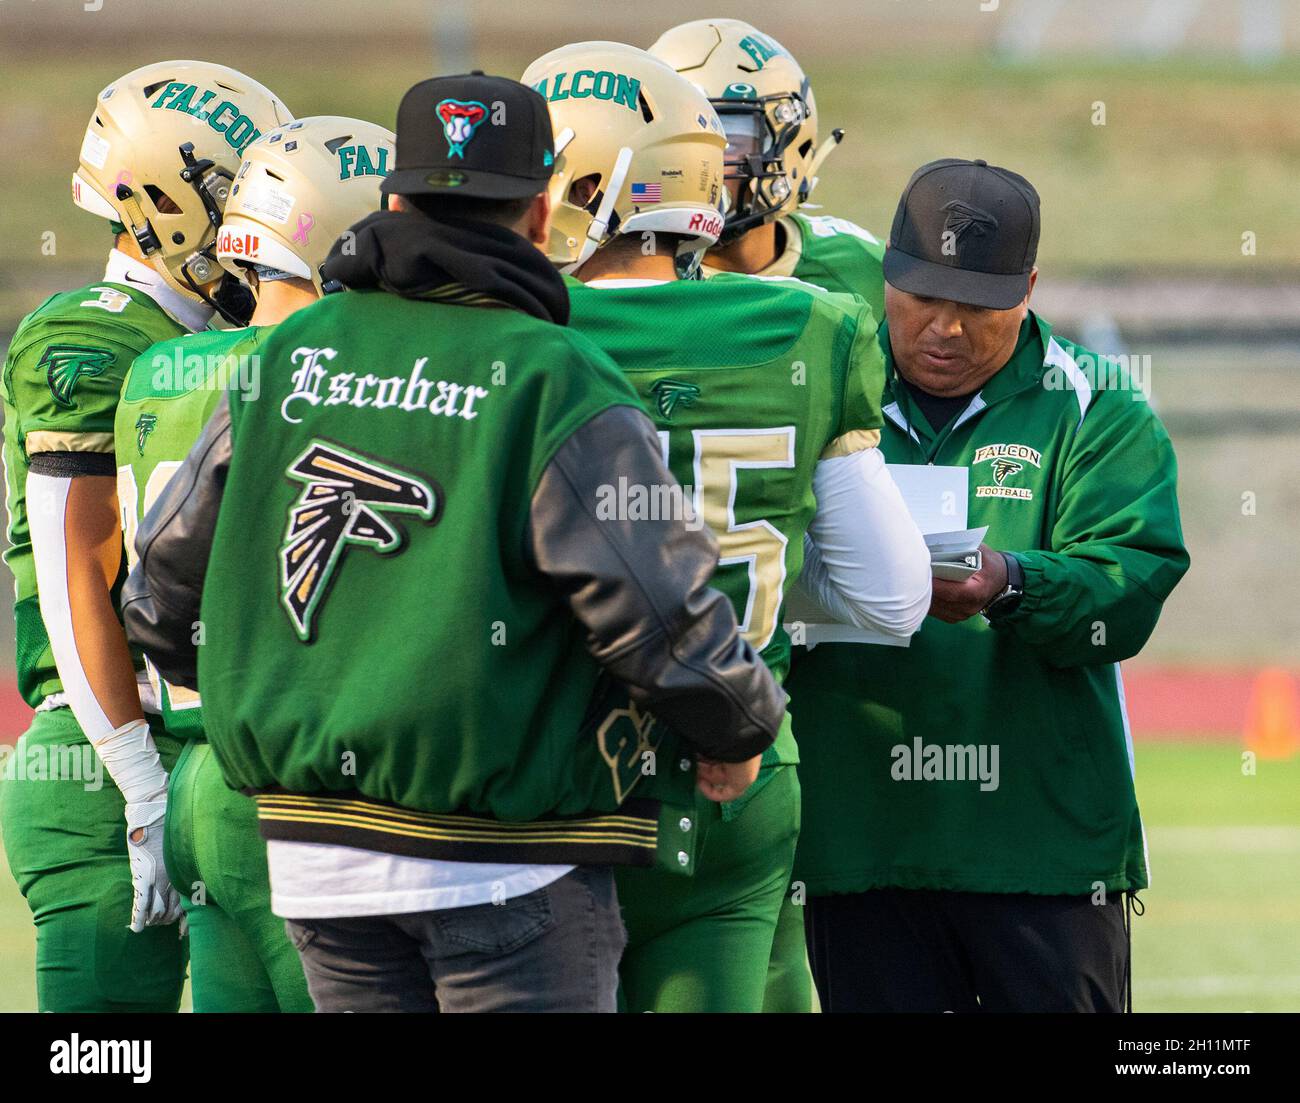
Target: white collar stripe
{"points": [[895, 414], [191, 313], [1058, 357]]}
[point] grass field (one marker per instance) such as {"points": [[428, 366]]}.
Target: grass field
{"points": [[1222, 925]]}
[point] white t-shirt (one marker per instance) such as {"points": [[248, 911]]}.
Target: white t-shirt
{"points": [[324, 881]]}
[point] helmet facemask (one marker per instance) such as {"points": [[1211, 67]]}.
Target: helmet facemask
{"points": [[231, 298], [759, 130]]}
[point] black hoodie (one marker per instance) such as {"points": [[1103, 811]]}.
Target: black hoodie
{"points": [[417, 257]]}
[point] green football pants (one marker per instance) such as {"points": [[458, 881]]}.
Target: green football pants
{"points": [[65, 837], [241, 959], [703, 943], [789, 980]]}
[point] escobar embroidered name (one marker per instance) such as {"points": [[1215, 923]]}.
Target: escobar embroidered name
{"points": [[317, 386]]}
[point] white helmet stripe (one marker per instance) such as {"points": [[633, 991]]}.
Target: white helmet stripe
{"points": [[86, 196], [244, 240]]}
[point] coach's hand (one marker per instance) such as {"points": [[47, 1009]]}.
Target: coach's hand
{"points": [[723, 781], [955, 601]]}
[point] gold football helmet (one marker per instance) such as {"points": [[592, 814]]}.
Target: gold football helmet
{"points": [[637, 149], [767, 109], [298, 189], [160, 154]]}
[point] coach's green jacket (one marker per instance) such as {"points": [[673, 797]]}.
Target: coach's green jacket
{"points": [[1074, 474]]}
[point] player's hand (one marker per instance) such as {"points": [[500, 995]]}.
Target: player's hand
{"points": [[722, 781], [156, 902], [955, 601]]}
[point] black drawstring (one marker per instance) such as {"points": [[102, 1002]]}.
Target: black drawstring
{"points": [[1132, 906]]}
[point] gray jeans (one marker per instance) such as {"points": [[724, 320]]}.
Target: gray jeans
{"points": [[555, 949]]}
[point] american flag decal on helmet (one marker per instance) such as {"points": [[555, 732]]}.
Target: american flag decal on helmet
{"points": [[647, 193]]}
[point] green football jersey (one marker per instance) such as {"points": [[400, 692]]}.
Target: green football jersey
{"points": [[750, 381], [62, 379], [831, 253], [839, 255], [170, 392]]}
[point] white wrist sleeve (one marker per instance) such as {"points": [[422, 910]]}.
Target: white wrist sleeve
{"points": [[132, 761]]}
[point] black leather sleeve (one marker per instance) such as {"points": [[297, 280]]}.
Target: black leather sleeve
{"points": [[161, 597], [641, 589]]}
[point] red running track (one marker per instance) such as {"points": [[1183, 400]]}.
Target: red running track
{"points": [[1164, 703]]}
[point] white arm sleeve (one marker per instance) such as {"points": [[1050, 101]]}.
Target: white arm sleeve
{"points": [[865, 561], [128, 752]]}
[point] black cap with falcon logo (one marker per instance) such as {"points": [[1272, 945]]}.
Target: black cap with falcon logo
{"points": [[965, 231]]}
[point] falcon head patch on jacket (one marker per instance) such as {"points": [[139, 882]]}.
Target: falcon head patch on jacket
{"points": [[1004, 468], [342, 505]]}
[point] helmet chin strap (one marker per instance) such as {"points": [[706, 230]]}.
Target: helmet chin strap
{"points": [[204, 267], [690, 258], [600, 224]]}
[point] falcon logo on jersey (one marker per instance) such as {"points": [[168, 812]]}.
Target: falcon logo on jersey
{"points": [[68, 365], [460, 121], [1008, 451], [671, 393], [1003, 468], [110, 299], [342, 505], [145, 424]]}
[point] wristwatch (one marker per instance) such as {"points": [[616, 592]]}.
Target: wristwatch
{"points": [[1008, 601]]}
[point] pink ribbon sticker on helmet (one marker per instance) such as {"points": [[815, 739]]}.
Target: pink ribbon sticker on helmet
{"points": [[306, 221]]}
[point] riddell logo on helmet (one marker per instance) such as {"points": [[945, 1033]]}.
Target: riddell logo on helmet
{"points": [[706, 223], [239, 245]]}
